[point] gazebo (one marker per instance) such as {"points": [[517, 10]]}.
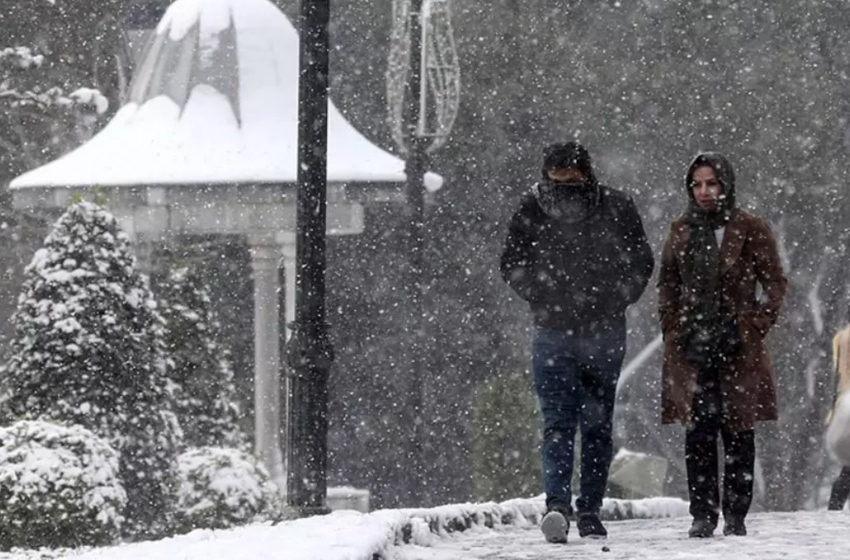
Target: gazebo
{"points": [[207, 144]]}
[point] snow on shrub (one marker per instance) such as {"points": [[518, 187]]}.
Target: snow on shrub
{"points": [[59, 487], [221, 488], [88, 350]]}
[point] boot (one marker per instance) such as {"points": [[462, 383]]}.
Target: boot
{"points": [[734, 526], [555, 526], [591, 527], [702, 528]]}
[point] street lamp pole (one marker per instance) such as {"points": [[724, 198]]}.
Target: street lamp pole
{"points": [[309, 352], [423, 96], [415, 166]]}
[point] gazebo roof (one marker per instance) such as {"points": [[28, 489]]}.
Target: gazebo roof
{"points": [[216, 102]]}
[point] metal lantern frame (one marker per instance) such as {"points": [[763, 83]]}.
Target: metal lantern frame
{"points": [[439, 86]]}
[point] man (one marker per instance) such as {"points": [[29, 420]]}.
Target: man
{"points": [[577, 253], [717, 376]]}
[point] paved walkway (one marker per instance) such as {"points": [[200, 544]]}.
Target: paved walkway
{"points": [[793, 536]]}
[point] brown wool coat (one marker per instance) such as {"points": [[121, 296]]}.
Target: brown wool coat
{"points": [[748, 256]]}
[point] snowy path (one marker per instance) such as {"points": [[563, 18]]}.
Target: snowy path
{"points": [[798, 535]]}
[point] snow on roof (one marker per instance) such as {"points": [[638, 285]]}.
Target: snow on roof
{"points": [[216, 102]]}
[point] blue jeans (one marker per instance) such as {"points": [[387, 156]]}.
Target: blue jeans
{"points": [[575, 378]]}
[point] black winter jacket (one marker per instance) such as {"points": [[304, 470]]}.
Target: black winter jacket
{"points": [[575, 275]]}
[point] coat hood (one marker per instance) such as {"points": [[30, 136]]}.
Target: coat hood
{"points": [[722, 170]]}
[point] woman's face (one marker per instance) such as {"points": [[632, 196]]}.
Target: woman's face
{"points": [[706, 188]]}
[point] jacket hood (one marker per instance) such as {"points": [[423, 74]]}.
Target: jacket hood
{"points": [[722, 170], [568, 154]]}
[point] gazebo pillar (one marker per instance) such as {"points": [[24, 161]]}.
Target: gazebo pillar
{"points": [[265, 259], [288, 252]]}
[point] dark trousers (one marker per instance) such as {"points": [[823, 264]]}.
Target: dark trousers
{"points": [[701, 457], [840, 490], [575, 378]]}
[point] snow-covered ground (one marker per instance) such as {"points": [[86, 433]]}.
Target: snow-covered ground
{"points": [[346, 535], [793, 536], [506, 531]]}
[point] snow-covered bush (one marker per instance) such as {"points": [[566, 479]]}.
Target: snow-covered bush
{"points": [[41, 119], [59, 487], [221, 488], [18, 94], [88, 350], [199, 365]]}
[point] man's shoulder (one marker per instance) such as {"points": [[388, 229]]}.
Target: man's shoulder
{"points": [[528, 207], [617, 204], [616, 196]]}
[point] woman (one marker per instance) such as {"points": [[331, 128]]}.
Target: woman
{"points": [[841, 362], [717, 376]]}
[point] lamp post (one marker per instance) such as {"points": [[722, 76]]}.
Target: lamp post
{"points": [[415, 165], [423, 95], [309, 352]]}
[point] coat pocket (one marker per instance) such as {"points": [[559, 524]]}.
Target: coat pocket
{"points": [[754, 325]]}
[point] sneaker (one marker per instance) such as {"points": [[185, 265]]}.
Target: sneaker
{"points": [[734, 526], [702, 528], [555, 527], [591, 527]]}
